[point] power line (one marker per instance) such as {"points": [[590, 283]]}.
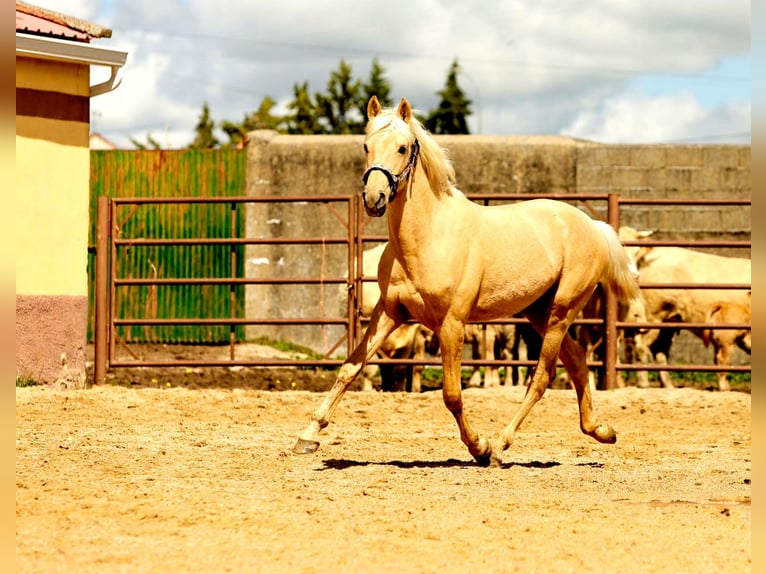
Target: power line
{"points": [[404, 54]]}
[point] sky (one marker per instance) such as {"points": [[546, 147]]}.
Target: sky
{"points": [[612, 71]]}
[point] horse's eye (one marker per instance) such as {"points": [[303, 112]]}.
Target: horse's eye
{"points": [[365, 149], [402, 149]]}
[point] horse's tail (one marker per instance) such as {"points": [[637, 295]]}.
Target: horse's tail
{"points": [[621, 274]]}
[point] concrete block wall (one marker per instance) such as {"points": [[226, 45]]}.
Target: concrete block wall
{"points": [[673, 171], [283, 165]]}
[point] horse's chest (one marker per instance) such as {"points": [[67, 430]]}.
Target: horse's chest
{"points": [[425, 301]]}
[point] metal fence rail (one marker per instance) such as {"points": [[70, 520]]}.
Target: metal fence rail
{"points": [[109, 279]]}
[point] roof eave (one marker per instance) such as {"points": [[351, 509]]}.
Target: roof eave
{"points": [[74, 53], [67, 51]]}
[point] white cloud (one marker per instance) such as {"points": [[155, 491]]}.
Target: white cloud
{"points": [[636, 118], [530, 66], [142, 106]]}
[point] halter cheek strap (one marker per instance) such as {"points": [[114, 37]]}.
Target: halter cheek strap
{"points": [[395, 180]]}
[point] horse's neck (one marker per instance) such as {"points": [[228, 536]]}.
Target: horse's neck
{"points": [[412, 217]]}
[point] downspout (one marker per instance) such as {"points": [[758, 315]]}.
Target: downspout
{"points": [[74, 52], [109, 85]]}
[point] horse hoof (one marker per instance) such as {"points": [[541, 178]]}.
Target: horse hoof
{"points": [[305, 446], [485, 459], [605, 434]]}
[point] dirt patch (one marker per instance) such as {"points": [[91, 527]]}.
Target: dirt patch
{"points": [[178, 479]]}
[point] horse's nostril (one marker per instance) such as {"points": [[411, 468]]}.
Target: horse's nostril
{"points": [[381, 197]]}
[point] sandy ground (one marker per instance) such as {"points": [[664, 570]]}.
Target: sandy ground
{"points": [[140, 478]]}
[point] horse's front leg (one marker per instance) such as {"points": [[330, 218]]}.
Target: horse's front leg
{"points": [[380, 327], [451, 342]]}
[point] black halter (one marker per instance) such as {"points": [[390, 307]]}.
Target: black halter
{"points": [[395, 180]]}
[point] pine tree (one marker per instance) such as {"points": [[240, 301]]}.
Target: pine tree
{"points": [[205, 139], [450, 115], [376, 85], [151, 143], [337, 109], [303, 119], [235, 132], [264, 118], [261, 119]]}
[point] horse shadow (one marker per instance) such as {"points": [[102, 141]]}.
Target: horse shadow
{"points": [[342, 464]]}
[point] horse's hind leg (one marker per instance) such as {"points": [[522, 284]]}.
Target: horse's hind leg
{"points": [[723, 352], [491, 372], [660, 348], [543, 374], [573, 357], [368, 373], [380, 327], [556, 340]]}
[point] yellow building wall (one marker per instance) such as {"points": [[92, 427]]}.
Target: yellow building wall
{"points": [[52, 178], [51, 220]]}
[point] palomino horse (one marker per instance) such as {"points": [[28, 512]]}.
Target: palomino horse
{"points": [[450, 261]]}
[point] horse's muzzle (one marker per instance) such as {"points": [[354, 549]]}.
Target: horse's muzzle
{"points": [[378, 208]]}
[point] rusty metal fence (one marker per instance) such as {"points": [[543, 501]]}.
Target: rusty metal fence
{"points": [[170, 173], [110, 279]]}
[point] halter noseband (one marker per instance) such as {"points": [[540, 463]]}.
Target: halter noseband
{"points": [[395, 180]]}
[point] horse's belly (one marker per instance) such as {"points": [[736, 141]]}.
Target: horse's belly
{"points": [[502, 292], [504, 298]]}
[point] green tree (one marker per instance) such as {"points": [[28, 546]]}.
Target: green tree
{"points": [[261, 119], [449, 117], [151, 143], [235, 132], [338, 108], [303, 116], [205, 139], [376, 85], [264, 117]]}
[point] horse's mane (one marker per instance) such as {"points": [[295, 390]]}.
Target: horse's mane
{"points": [[433, 158]]}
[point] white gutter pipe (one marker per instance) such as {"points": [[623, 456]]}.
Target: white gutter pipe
{"points": [[75, 53]]}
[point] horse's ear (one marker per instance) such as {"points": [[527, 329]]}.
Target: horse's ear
{"points": [[405, 110], [373, 107], [631, 234]]}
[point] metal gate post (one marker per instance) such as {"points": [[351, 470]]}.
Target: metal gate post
{"points": [[102, 291], [610, 319], [358, 285], [352, 294]]}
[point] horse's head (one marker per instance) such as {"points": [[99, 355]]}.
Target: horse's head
{"points": [[636, 253], [392, 154]]}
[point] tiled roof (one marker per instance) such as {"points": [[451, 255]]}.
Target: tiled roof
{"points": [[39, 21], [35, 25]]}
